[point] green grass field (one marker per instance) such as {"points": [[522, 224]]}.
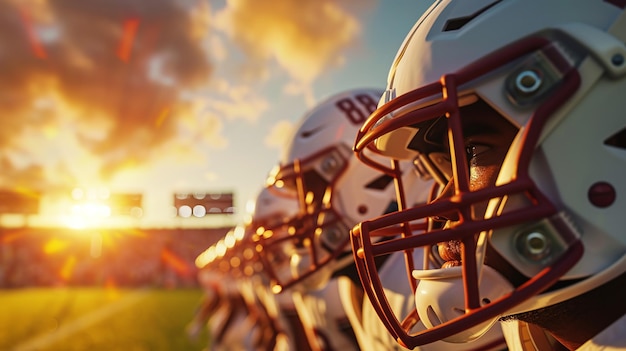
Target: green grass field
{"points": [[97, 319]]}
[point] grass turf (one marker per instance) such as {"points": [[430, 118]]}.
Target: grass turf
{"points": [[97, 319]]}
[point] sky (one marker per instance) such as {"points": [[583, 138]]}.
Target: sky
{"points": [[159, 97]]}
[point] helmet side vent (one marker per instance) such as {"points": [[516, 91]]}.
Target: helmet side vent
{"points": [[380, 183], [459, 22], [617, 140]]}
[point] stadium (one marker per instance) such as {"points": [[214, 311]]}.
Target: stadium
{"points": [[80, 286], [312, 175]]}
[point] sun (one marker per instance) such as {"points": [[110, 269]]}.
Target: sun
{"points": [[89, 214], [88, 210]]}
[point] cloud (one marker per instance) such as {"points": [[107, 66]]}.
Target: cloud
{"points": [[238, 102], [110, 70], [280, 135], [298, 88], [217, 48], [91, 88], [305, 37]]}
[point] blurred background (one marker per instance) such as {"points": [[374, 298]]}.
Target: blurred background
{"points": [[133, 134]]}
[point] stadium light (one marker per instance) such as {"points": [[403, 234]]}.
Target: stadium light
{"points": [[126, 204], [201, 204]]}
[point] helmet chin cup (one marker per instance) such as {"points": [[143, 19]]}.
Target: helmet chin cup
{"points": [[439, 298]]}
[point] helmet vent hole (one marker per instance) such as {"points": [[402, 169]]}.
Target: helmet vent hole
{"points": [[380, 183], [460, 22], [458, 310], [432, 316], [617, 140]]}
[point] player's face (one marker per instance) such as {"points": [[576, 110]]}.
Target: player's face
{"points": [[487, 138]]}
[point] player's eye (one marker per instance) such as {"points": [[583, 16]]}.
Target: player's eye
{"points": [[473, 150]]}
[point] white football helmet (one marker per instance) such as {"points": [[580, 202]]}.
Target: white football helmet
{"points": [[555, 71], [333, 188], [270, 220]]}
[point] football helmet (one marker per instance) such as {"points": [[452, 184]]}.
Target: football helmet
{"points": [[270, 218], [221, 263], [333, 189], [551, 72]]}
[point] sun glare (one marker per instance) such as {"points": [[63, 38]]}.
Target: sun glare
{"points": [[88, 210], [87, 215]]}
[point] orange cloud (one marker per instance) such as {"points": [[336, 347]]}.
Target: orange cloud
{"points": [[111, 69], [304, 37]]}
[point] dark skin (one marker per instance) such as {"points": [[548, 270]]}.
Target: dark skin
{"points": [[487, 139]]}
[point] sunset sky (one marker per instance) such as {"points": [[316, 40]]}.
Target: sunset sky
{"points": [[164, 96]]}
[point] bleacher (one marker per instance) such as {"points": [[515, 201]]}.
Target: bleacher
{"points": [[130, 257]]}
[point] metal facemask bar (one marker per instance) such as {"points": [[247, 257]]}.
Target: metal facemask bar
{"points": [[400, 230], [366, 248], [403, 229], [316, 230]]}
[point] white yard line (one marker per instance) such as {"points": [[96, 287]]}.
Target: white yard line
{"points": [[80, 323]]}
